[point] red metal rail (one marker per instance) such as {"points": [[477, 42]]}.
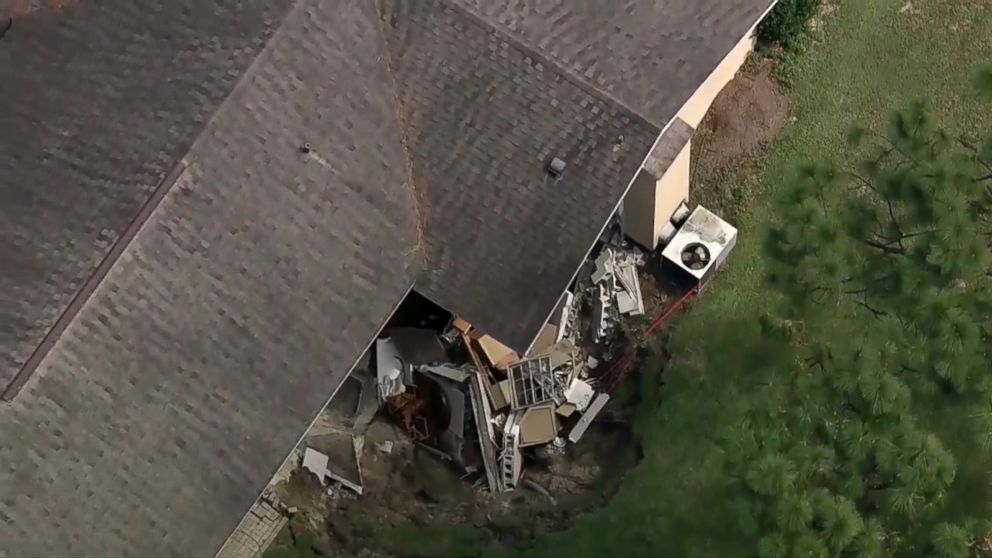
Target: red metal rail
{"points": [[618, 369]]}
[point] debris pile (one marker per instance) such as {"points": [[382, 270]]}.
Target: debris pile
{"points": [[608, 286], [478, 404], [486, 410]]}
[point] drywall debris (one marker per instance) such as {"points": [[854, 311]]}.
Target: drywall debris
{"points": [[580, 394], [545, 340], [587, 417], [566, 410], [498, 355], [316, 463], [538, 425]]}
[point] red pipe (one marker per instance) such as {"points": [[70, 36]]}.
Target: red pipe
{"points": [[621, 367]]}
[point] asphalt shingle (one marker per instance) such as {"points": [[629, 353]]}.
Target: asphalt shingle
{"points": [[649, 55], [230, 319], [99, 102]]}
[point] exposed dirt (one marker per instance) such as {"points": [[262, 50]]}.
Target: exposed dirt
{"points": [[405, 484], [748, 113]]}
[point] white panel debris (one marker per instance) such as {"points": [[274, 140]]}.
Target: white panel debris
{"points": [[316, 463], [587, 417], [510, 460], [564, 314], [389, 369], [580, 394], [449, 372], [626, 272], [626, 303], [484, 429]]}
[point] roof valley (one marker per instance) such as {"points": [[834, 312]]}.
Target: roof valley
{"points": [[402, 122]]}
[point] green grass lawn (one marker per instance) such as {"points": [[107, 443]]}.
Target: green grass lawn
{"points": [[873, 56]]}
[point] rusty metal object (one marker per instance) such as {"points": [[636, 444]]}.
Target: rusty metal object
{"points": [[409, 410]]}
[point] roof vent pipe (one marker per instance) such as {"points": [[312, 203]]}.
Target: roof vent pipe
{"points": [[556, 167]]}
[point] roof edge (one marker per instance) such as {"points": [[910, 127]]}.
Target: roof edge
{"points": [[316, 417]]}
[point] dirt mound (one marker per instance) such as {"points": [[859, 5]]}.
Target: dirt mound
{"points": [[750, 111]]}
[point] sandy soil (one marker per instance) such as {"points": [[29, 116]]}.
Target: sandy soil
{"points": [[748, 113]]}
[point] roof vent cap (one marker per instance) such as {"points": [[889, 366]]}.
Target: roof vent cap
{"points": [[556, 167]]}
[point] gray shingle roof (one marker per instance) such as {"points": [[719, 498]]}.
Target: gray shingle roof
{"points": [[484, 117], [196, 365], [242, 302], [97, 104]]}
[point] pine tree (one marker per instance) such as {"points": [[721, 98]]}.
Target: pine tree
{"points": [[834, 457]]}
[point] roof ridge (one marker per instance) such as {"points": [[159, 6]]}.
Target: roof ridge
{"points": [[565, 72], [148, 208]]}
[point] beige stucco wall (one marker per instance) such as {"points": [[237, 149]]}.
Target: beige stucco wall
{"points": [[638, 218], [671, 190], [700, 102], [650, 203]]}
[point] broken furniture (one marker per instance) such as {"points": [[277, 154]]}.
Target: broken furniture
{"points": [[469, 399]]}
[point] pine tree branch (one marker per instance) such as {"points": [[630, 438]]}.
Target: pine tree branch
{"points": [[907, 158], [905, 368], [978, 158], [919, 233], [878, 314], [865, 182], [883, 247], [895, 222]]}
